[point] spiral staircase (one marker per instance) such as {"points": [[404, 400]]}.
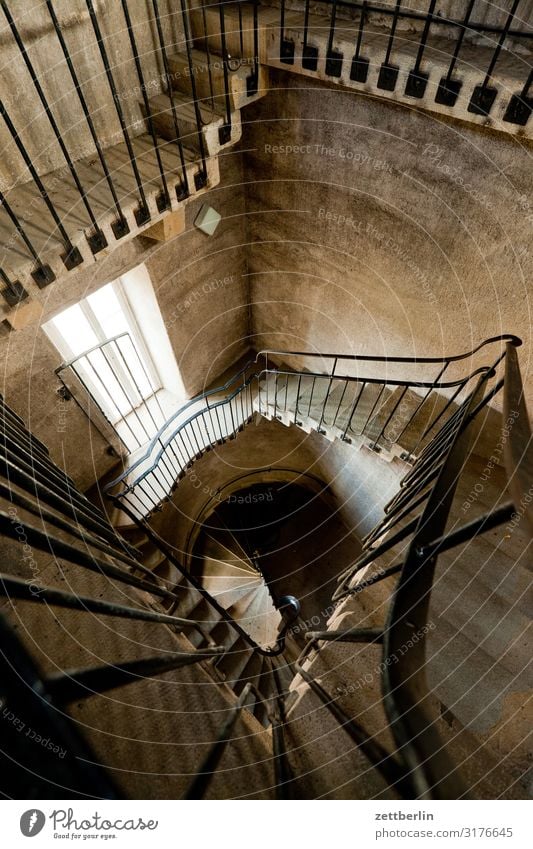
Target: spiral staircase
{"points": [[164, 680], [132, 668]]}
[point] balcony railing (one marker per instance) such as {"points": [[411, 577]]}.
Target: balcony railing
{"points": [[503, 30]]}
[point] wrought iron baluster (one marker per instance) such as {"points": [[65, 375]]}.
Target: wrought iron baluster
{"points": [[388, 73], [309, 53], [448, 90], [521, 105], [163, 198], [286, 47], [224, 133], [417, 81], [72, 256], [200, 179], [119, 227], [182, 190], [360, 65], [142, 214], [96, 240], [484, 95], [333, 57]]}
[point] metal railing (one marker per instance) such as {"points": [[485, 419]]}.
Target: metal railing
{"points": [[505, 28], [42, 509], [47, 511], [113, 380], [97, 194], [354, 406]]}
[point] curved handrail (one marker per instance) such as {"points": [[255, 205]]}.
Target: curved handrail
{"points": [[505, 337], [420, 384], [164, 445], [518, 447], [510, 339]]}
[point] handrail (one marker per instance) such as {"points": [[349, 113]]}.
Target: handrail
{"points": [[257, 376], [420, 384], [156, 439], [406, 694], [506, 337], [167, 550], [518, 447]]}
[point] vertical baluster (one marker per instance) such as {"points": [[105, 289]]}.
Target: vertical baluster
{"points": [[224, 133], [182, 190], [360, 65], [13, 291], [252, 81], [448, 90], [72, 257], [325, 402], [208, 52], [286, 47], [348, 427], [119, 227], [333, 57], [521, 105], [142, 214], [296, 422], [42, 274], [484, 95], [96, 240], [200, 179], [163, 198], [417, 80], [388, 73], [309, 53]]}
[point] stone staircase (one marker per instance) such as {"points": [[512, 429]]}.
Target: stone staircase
{"points": [[391, 420], [178, 140], [356, 58], [223, 569]]}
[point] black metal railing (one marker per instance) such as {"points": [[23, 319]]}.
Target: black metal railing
{"points": [[42, 506], [368, 405], [502, 30], [409, 703], [99, 206], [419, 766], [113, 381], [42, 510], [96, 201]]}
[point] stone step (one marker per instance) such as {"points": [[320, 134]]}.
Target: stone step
{"points": [[138, 731], [231, 595], [209, 81], [163, 108], [366, 75]]}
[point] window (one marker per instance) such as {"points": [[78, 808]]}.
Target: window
{"points": [[108, 343]]}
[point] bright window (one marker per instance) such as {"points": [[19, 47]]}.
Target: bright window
{"points": [[105, 339]]}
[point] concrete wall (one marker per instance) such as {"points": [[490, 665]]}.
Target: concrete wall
{"points": [[376, 228], [200, 284]]}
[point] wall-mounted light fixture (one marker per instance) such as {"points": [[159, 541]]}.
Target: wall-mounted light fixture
{"points": [[207, 219]]}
